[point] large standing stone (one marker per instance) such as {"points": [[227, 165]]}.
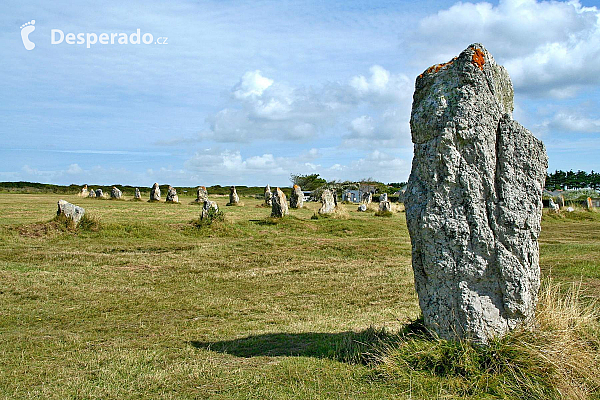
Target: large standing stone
{"points": [[279, 207], [71, 211], [233, 196], [268, 195], [473, 201], [92, 193], [206, 207], [296, 197], [201, 194], [115, 193], [155, 192], [137, 195], [99, 193], [328, 202], [172, 195]]}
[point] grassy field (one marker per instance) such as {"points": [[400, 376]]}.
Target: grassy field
{"points": [[152, 306]]}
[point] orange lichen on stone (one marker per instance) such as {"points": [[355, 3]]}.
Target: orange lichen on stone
{"points": [[435, 68], [296, 186], [478, 58]]}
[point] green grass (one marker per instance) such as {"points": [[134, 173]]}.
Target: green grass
{"points": [[141, 301]]}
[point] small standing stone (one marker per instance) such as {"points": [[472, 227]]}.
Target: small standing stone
{"points": [[207, 205], [385, 206], [560, 200], [279, 207], [553, 206], [99, 193], [155, 192], [71, 211], [296, 197], [137, 195], [92, 193], [115, 193], [367, 198], [84, 191], [201, 194], [588, 203], [362, 207], [233, 197], [383, 197], [172, 195], [328, 202], [268, 195]]}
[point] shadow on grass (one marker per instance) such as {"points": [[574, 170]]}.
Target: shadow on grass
{"points": [[362, 347]]}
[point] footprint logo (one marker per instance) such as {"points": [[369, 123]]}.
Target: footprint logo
{"points": [[26, 29]]}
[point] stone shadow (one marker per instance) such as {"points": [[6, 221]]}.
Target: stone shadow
{"points": [[353, 347]]}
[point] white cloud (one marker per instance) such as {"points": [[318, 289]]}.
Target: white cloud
{"points": [[252, 84], [564, 121], [262, 108], [382, 86], [74, 169], [362, 126]]}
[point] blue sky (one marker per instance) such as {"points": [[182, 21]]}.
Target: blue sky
{"points": [[247, 92]]}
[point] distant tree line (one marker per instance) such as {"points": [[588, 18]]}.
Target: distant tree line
{"points": [[572, 180]]}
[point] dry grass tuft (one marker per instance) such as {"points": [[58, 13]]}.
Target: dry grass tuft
{"points": [[556, 358]]}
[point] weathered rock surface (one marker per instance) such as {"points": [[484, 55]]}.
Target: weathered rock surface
{"points": [[473, 201], [155, 192], [207, 205], [233, 196], [362, 208], [279, 206], [172, 195], [115, 193], [296, 197], [84, 191], [328, 202], [71, 211], [137, 194], [201, 194], [92, 193], [385, 206], [268, 195], [99, 193]]}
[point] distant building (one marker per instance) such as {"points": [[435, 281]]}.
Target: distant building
{"points": [[307, 195]]}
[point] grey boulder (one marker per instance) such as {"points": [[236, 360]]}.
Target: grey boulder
{"points": [[71, 211]]}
